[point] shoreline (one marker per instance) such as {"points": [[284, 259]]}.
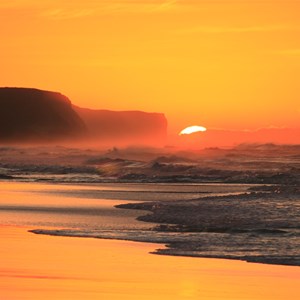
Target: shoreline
{"points": [[194, 228], [42, 267], [250, 227], [235, 220]]}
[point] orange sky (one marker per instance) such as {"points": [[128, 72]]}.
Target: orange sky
{"points": [[231, 64]]}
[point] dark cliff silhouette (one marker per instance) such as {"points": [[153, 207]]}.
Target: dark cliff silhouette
{"points": [[32, 115], [125, 127]]}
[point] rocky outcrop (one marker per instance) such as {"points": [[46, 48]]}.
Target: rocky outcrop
{"points": [[32, 115]]}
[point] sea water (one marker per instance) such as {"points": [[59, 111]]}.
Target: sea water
{"points": [[88, 210]]}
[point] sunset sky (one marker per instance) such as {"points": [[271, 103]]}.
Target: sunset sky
{"points": [[230, 64]]}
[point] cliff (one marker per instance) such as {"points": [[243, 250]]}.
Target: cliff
{"points": [[32, 115], [125, 127]]}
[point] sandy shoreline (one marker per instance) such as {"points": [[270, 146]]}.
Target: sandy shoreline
{"points": [[45, 267], [52, 267]]}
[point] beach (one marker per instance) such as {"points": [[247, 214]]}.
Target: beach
{"points": [[62, 267], [150, 150], [43, 267]]}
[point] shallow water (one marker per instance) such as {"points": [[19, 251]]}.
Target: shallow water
{"points": [[87, 210], [49, 205], [90, 207], [43, 267]]}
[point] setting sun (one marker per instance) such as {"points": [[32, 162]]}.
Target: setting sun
{"points": [[137, 127], [192, 129]]}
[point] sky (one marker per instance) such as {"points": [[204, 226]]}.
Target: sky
{"points": [[228, 64]]}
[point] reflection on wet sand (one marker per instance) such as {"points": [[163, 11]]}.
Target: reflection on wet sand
{"points": [[42, 267]]}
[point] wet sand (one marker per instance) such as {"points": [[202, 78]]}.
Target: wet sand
{"points": [[43, 267]]}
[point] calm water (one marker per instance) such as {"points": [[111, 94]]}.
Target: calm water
{"points": [[90, 207]]}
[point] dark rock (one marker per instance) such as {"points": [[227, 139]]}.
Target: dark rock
{"points": [[31, 115]]}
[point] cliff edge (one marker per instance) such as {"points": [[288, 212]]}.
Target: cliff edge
{"points": [[32, 115]]}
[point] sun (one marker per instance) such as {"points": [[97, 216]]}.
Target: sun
{"points": [[192, 129]]}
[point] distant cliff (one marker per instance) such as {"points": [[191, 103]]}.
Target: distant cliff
{"points": [[32, 115], [125, 127]]}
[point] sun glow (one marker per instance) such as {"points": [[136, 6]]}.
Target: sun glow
{"points": [[192, 129]]}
